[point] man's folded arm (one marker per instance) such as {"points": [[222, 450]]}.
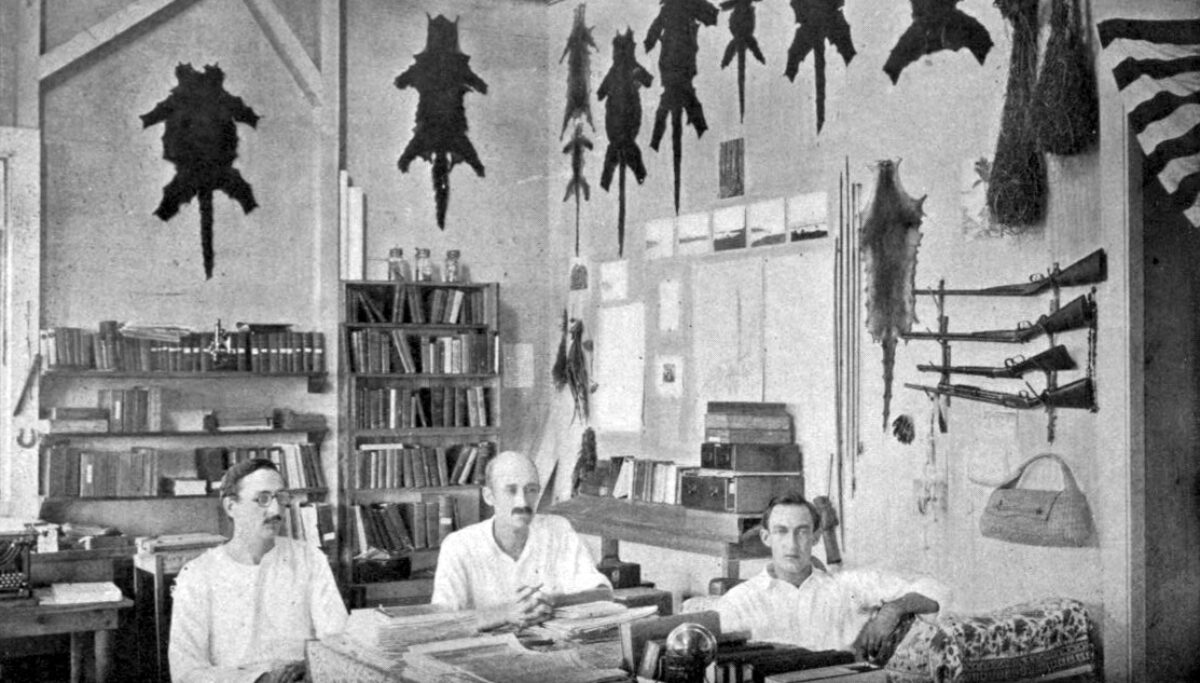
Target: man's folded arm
{"points": [[188, 647]]}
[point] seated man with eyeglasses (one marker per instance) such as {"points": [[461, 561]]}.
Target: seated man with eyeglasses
{"points": [[243, 610]]}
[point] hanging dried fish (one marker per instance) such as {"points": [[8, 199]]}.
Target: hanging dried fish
{"points": [[890, 237], [819, 20], [623, 121], [937, 25], [579, 68], [559, 371], [676, 27], [442, 77], [586, 463], [741, 25], [577, 370]]}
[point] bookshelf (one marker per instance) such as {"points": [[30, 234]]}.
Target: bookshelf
{"points": [[118, 442], [420, 392]]}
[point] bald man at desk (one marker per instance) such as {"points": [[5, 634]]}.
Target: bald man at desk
{"points": [[510, 568]]}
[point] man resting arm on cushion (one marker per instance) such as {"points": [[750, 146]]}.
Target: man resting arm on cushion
{"points": [[793, 602]]}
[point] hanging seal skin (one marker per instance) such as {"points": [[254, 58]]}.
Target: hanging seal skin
{"points": [[937, 25], [201, 141], [819, 20], [676, 27], [579, 68], [741, 25], [442, 77], [623, 121], [889, 240]]}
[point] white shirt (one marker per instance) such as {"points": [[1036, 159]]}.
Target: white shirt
{"points": [[825, 612], [234, 622], [473, 572]]}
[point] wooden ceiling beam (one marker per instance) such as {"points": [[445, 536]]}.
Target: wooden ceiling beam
{"points": [[291, 52], [97, 36]]}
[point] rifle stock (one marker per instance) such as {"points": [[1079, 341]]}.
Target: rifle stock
{"points": [[1079, 394], [1088, 270], [1078, 313], [1054, 358]]}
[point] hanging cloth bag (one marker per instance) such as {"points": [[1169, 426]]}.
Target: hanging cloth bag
{"points": [[1038, 517]]}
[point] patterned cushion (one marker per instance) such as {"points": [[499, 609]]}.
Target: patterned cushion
{"points": [[1019, 642]]}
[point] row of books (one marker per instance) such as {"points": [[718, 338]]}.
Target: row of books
{"points": [[299, 463], [118, 411], [69, 472], [650, 481], [397, 528], [311, 522], [395, 351], [259, 352], [404, 303], [383, 466], [415, 407]]}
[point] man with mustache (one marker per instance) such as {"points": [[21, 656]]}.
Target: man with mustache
{"points": [[794, 602], [511, 567], [243, 610]]}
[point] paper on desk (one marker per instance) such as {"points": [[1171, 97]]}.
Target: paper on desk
{"points": [[580, 620], [502, 659], [394, 631]]}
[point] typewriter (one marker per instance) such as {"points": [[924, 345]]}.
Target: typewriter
{"points": [[14, 564]]}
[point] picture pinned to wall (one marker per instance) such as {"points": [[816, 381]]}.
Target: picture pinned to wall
{"points": [[693, 234], [614, 280], [731, 172], [765, 224], [807, 216], [669, 376], [729, 228], [660, 238], [976, 219], [670, 305]]}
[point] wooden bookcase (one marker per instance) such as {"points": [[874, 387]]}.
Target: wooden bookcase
{"points": [[420, 395]]}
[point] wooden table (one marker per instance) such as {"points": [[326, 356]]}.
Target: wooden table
{"points": [[97, 618]]}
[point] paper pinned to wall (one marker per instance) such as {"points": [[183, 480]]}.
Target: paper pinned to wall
{"points": [[807, 216], [668, 376], [765, 223], [620, 368], [660, 238], [614, 280], [693, 234], [670, 304]]}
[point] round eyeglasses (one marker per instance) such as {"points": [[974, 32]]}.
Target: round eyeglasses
{"points": [[263, 498]]}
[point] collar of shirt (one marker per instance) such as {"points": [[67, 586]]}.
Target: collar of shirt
{"points": [[766, 580]]}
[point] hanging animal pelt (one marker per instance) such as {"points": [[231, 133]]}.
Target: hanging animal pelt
{"points": [[201, 140], [579, 68], [1016, 193], [558, 372], [819, 21], [937, 25], [676, 27], [586, 463], [1066, 111], [576, 370], [442, 77], [577, 185], [623, 121], [889, 240], [741, 25]]}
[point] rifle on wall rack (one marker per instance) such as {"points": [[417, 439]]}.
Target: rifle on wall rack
{"points": [[1088, 270], [1078, 313], [1054, 358], [1079, 394]]}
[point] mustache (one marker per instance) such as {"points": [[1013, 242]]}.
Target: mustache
{"points": [[522, 509], [272, 519]]}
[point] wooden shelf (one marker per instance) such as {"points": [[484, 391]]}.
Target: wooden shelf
{"points": [[416, 432], [421, 327], [190, 434], [437, 377], [316, 380]]}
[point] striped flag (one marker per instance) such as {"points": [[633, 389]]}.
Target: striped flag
{"points": [[1157, 68]]}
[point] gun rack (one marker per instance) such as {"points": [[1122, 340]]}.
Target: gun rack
{"points": [[1088, 270]]}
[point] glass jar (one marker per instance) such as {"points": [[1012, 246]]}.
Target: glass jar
{"points": [[397, 266], [424, 266], [451, 272]]}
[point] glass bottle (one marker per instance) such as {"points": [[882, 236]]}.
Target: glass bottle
{"points": [[424, 266], [397, 266], [451, 272]]}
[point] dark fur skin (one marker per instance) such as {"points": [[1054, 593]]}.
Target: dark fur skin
{"points": [[819, 20], [623, 120], [579, 67], [741, 26], [201, 140], [937, 25], [676, 27], [442, 77], [890, 237]]}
